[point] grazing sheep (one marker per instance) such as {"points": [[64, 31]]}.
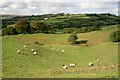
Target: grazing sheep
{"points": [[32, 50], [72, 65], [98, 60], [34, 53], [18, 51], [24, 46], [64, 67], [90, 64], [62, 51]]}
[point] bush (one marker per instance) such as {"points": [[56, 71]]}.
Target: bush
{"points": [[115, 36], [72, 39], [22, 26], [4, 32], [69, 30], [72, 42], [11, 30], [82, 30]]}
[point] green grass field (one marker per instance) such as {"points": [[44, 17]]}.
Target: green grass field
{"points": [[48, 63]]}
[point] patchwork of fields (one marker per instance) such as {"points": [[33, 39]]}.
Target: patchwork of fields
{"points": [[48, 61]]}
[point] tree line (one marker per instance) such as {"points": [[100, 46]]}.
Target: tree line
{"points": [[22, 26], [56, 22]]}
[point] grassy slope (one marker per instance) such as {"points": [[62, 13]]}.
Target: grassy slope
{"points": [[48, 61]]}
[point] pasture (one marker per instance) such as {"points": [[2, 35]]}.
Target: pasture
{"points": [[48, 61]]}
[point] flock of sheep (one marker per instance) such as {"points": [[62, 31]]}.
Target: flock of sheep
{"points": [[71, 65], [35, 52], [58, 49], [32, 50], [74, 64], [53, 47]]}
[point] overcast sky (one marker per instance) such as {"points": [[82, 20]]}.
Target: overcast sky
{"points": [[34, 7]]}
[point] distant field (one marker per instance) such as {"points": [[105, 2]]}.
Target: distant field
{"points": [[48, 63]]}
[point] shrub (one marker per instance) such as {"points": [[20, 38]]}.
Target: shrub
{"points": [[72, 39], [22, 26], [11, 30], [69, 30], [82, 30], [115, 36], [4, 32]]}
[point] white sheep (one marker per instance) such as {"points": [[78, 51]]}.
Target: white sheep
{"points": [[34, 53], [98, 60], [72, 65], [64, 66], [90, 64], [24, 46], [62, 51], [18, 51], [32, 50]]}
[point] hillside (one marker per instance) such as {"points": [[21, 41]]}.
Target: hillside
{"points": [[49, 59]]}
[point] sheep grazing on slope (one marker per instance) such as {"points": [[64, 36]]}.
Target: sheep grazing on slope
{"points": [[64, 67], [24, 46], [98, 60], [62, 51], [18, 51], [90, 64], [34, 53], [72, 65], [32, 50]]}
